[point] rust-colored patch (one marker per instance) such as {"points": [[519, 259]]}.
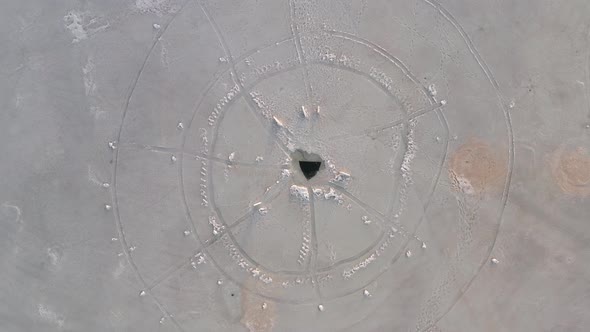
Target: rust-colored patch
{"points": [[257, 315], [475, 167], [571, 170]]}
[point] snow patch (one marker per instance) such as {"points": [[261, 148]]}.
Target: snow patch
{"points": [[82, 25], [331, 194], [158, 7], [54, 255], [299, 192], [465, 185], [50, 316], [73, 21], [88, 70], [119, 269], [342, 177]]}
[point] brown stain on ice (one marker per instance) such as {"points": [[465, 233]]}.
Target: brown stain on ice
{"points": [[258, 315], [477, 167], [570, 168]]}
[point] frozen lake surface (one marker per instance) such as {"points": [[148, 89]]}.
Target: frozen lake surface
{"points": [[265, 165]]}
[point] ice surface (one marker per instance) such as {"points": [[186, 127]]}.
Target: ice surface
{"points": [[151, 178]]}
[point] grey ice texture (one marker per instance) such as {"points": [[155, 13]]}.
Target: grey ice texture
{"points": [[147, 181]]}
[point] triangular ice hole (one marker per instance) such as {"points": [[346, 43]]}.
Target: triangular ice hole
{"points": [[310, 168]]}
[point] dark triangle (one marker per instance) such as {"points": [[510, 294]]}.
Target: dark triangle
{"points": [[310, 168]]}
